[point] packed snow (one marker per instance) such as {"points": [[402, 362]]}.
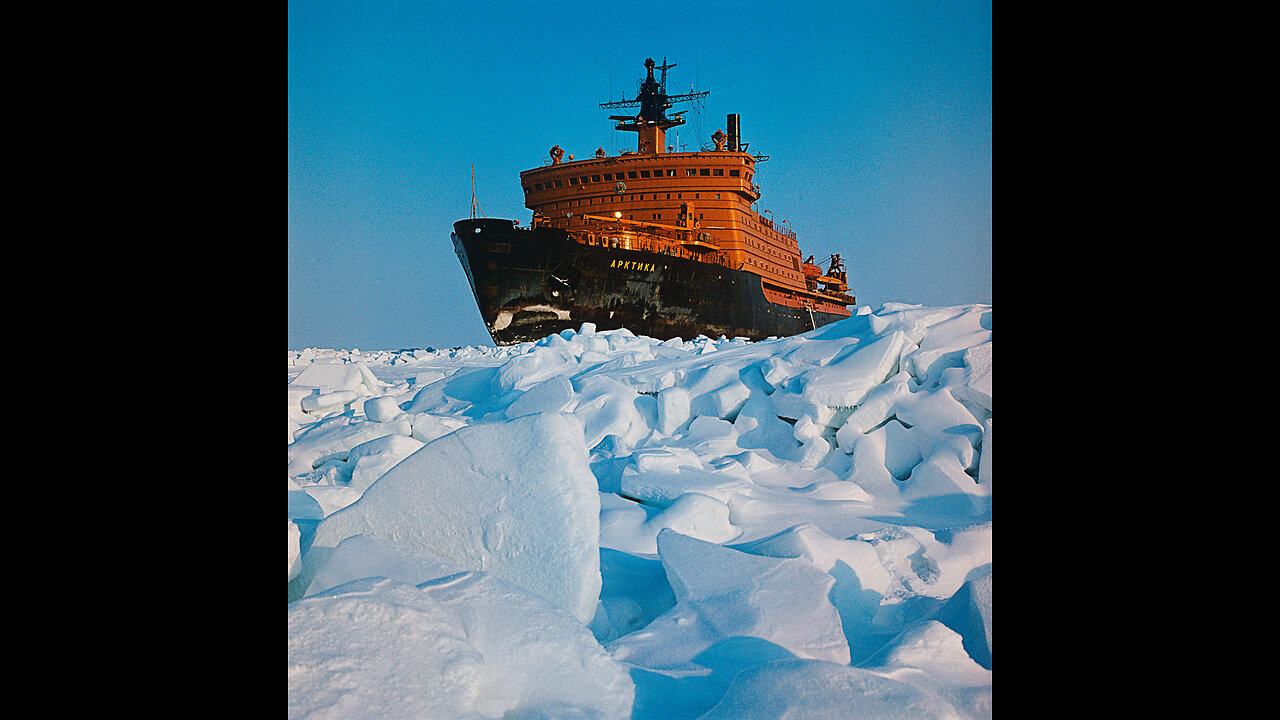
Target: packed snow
{"points": [[603, 525]]}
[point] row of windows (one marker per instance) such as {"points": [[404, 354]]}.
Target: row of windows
{"points": [[637, 174], [616, 198]]}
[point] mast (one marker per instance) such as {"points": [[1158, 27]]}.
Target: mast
{"points": [[651, 123]]}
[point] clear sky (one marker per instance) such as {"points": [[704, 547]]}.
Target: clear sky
{"points": [[875, 115]]}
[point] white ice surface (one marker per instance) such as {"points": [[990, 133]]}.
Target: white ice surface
{"points": [[797, 527]]}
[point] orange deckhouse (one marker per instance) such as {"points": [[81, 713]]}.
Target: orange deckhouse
{"points": [[687, 253]]}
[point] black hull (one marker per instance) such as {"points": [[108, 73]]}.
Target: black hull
{"points": [[530, 283]]}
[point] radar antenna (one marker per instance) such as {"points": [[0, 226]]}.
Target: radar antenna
{"points": [[652, 122]]}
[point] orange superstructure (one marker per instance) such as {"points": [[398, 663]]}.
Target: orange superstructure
{"points": [[693, 204]]}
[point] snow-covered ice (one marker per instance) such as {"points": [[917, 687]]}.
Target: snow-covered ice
{"points": [[605, 525]]}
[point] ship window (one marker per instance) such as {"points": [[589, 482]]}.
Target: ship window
{"points": [[537, 186], [691, 171], [608, 177], [557, 183], [718, 171], [583, 179], [668, 195], [595, 178], [631, 174], [679, 196], [671, 172], [644, 173], [704, 171], [735, 173], [573, 181]]}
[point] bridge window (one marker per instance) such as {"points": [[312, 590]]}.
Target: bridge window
{"points": [[595, 178], [718, 172], [735, 173], [691, 171], [537, 186], [573, 181], [644, 173], [608, 177], [631, 174], [557, 183], [704, 171], [671, 172], [583, 179]]}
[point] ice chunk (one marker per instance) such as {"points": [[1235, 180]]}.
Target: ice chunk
{"points": [[364, 556], [937, 416], [791, 688], [552, 395], [927, 645], [813, 452], [777, 371], [295, 551], [876, 408], [942, 480], [625, 525], [759, 428], [697, 516], [901, 450], [296, 414], [673, 409], [723, 402], [635, 592], [372, 460], [332, 498], [931, 657], [980, 599], [466, 646], [323, 403], [524, 371], [382, 409], [329, 375], [427, 377], [607, 407], [846, 382], [722, 593], [428, 427], [304, 507], [332, 374], [336, 440], [516, 499], [984, 464], [660, 488]]}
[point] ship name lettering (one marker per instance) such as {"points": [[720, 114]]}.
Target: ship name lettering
{"points": [[632, 265]]}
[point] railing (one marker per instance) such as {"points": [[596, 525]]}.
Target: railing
{"points": [[785, 232]]}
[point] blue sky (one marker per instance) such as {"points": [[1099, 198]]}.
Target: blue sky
{"points": [[876, 117]]}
